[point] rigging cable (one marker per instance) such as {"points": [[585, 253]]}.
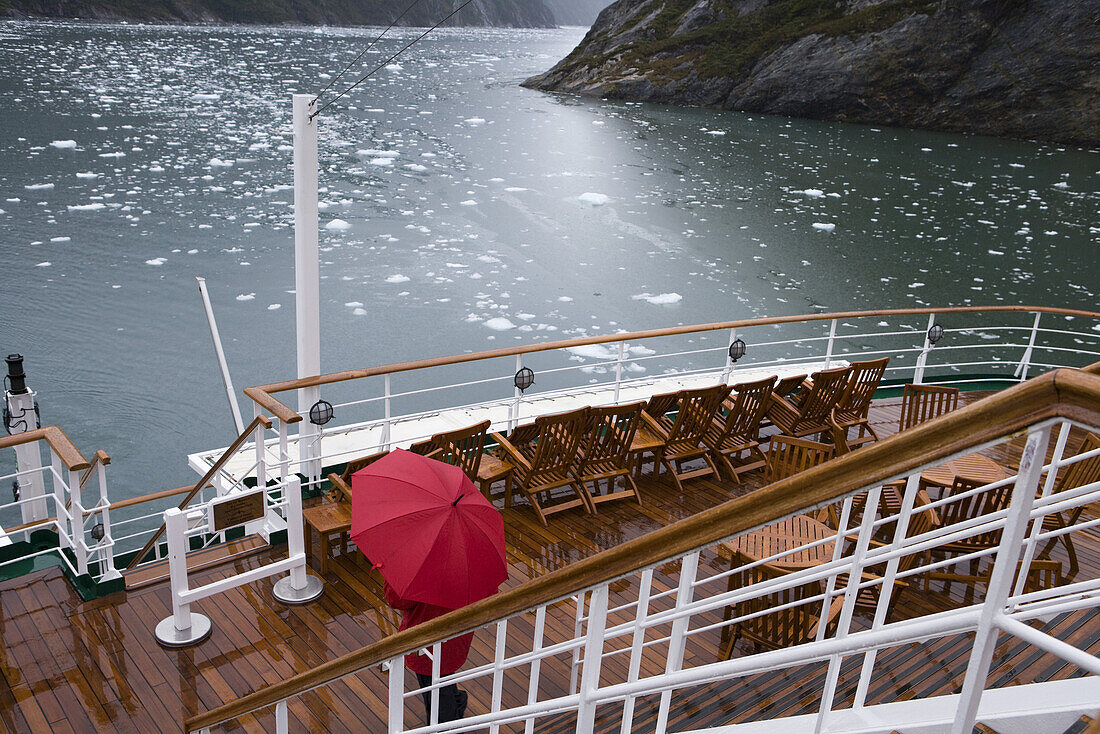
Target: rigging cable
{"points": [[371, 73], [336, 78]]}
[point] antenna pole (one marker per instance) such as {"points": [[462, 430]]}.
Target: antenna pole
{"points": [[306, 276], [226, 379]]}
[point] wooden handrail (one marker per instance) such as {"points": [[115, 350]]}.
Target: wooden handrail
{"points": [[263, 396], [64, 448], [1063, 393], [214, 469], [100, 458]]}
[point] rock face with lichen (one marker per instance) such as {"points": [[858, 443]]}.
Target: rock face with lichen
{"points": [[1016, 68]]}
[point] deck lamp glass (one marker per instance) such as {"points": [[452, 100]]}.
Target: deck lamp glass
{"points": [[320, 413], [737, 350], [525, 378], [935, 333], [98, 532]]}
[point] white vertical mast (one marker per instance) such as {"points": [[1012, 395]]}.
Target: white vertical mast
{"points": [[306, 272]]}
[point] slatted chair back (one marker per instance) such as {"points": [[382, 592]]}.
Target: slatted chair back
{"points": [[1083, 472], [462, 447], [828, 389], [968, 508], [694, 415], [788, 456], [340, 484], [921, 521], [863, 381], [660, 405], [747, 404], [777, 628], [921, 403], [555, 448], [788, 385], [607, 437]]}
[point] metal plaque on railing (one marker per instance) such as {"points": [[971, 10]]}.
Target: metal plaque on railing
{"points": [[237, 510]]}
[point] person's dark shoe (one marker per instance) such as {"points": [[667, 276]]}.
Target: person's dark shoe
{"points": [[462, 700]]}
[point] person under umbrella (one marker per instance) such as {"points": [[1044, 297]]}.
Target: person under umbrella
{"points": [[439, 545]]}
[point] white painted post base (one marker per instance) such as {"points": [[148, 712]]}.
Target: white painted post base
{"points": [[198, 630], [285, 592]]}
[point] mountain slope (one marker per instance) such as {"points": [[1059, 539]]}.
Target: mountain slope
{"points": [[517, 13], [1019, 68], [576, 12]]}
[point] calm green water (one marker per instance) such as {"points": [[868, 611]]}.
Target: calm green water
{"points": [[478, 214]]}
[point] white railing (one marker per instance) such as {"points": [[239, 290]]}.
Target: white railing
{"points": [[653, 615], [976, 347]]}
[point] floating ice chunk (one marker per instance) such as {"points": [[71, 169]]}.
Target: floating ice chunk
{"points": [[593, 199], [488, 259], [565, 299], [468, 202], [1061, 185], [472, 318], [594, 351], [395, 67], [416, 167], [500, 323], [63, 144], [219, 163], [61, 239], [995, 252], [381, 161], [641, 351], [397, 278], [337, 224], [246, 296], [157, 261], [812, 193], [660, 299], [377, 153], [353, 304], [88, 174], [44, 264], [115, 154], [475, 121], [716, 132], [39, 187], [274, 306], [359, 312], [206, 96], [514, 189], [824, 226], [93, 207], [916, 284]]}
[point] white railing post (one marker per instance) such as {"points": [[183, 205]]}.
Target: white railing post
{"points": [[76, 524], [1048, 487], [498, 671], [517, 395], [298, 587], [1025, 361], [284, 451], [578, 625], [282, 725], [829, 347], [396, 703], [387, 407], [63, 514], [922, 358], [636, 643], [1000, 581], [619, 371], [593, 658], [258, 437], [107, 542], [689, 566], [536, 665], [729, 361], [183, 627]]}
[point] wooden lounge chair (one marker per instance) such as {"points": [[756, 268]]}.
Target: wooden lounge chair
{"points": [[605, 451], [775, 628], [542, 455], [465, 447], [340, 489], [810, 416], [855, 405], [1076, 475], [681, 438], [788, 456], [738, 431], [920, 403], [968, 508]]}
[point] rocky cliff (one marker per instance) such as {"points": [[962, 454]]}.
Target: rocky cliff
{"points": [[517, 13], [1016, 68]]}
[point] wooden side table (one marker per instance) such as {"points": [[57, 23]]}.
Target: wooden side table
{"points": [[975, 467], [780, 537], [491, 470], [327, 519]]}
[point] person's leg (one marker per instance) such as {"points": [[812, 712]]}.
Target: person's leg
{"points": [[449, 703], [421, 682]]}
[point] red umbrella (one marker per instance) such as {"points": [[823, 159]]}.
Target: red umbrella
{"points": [[423, 523]]}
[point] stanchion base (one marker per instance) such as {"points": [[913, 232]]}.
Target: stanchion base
{"points": [[287, 594], [167, 634]]}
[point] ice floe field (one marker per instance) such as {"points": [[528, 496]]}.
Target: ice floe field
{"points": [[459, 212]]}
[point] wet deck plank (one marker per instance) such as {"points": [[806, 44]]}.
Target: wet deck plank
{"points": [[94, 666]]}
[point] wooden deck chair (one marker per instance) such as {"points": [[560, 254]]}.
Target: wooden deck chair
{"points": [[968, 508], [921, 521], [605, 451], [682, 437], [788, 456], [810, 416], [855, 405], [737, 432], [775, 628], [463, 447], [340, 489], [920, 403], [1076, 475], [542, 455]]}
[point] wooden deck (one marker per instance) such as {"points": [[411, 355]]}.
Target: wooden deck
{"points": [[93, 667]]}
